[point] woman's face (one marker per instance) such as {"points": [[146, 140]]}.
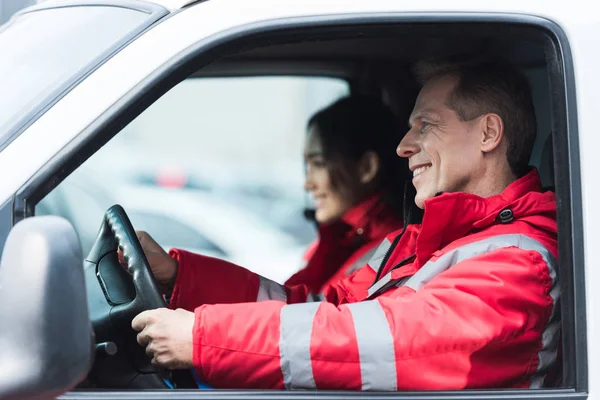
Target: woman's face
{"points": [[329, 201]]}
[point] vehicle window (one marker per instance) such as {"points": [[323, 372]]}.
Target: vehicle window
{"points": [[81, 200], [166, 229], [33, 74], [216, 166]]}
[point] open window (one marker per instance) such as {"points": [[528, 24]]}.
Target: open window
{"points": [[267, 83], [214, 166]]}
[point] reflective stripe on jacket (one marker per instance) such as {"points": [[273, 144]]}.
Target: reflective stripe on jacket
{"points": [[466, 299]]}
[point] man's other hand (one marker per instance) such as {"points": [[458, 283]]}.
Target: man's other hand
{"points": [[164, 267], [167, 336]]}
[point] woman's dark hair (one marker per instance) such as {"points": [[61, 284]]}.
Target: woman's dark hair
{"points": [[347, 130]]}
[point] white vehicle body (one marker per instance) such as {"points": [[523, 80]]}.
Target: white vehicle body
{"points": [[204, 23]]}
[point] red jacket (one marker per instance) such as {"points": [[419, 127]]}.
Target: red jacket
{"points": [[466, 299], [346, 245]]}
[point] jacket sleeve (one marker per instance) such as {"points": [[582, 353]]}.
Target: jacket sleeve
{"points": [[477, 324], [207, 280]]}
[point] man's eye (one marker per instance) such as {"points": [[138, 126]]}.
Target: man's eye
{"points": [[424, 126]]}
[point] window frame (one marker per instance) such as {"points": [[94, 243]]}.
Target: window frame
{"points": [[565, 147]]}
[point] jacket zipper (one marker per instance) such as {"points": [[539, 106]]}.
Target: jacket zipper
{"points": [[407, 215]]}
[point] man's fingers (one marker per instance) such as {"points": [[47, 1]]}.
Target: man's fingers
{"points": [[142, 236], [143, 338], [141, 320], [149, 351]]}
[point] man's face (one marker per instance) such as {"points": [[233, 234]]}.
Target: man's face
{"points": [[443, 151]]}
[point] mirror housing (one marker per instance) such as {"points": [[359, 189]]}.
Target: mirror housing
{"points": [[46, 338]]}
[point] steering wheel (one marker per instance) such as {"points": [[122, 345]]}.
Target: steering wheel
{"points": [[115, 297]]}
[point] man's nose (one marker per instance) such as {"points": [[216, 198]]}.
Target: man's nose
{"points": [[408, 145]]}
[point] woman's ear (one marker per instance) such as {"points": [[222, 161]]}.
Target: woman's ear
{"points": [[368, 167]]}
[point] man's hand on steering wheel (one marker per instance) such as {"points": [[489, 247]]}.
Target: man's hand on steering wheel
{"points": [[167, 336], [128, 304], [163, 266]]}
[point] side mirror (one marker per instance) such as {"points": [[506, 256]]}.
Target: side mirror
{"points": [[46, 338]]}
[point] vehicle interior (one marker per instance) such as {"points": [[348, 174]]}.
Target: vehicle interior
{"points": [[372, 59]]}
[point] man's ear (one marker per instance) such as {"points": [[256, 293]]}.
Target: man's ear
{"points": [[492, 128], [368, 167]]}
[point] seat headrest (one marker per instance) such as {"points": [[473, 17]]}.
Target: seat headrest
{"points": [[546, 167]]}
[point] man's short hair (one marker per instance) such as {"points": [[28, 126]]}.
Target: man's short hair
{"points": [[491, 86]]}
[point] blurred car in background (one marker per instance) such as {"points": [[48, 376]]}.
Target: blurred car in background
{"points": [[193, 220], [274, 205]]}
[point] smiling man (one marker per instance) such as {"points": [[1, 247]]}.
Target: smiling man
{"points": [[472, 131], [466, 299]]}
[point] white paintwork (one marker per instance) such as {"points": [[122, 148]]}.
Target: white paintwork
{"points": [[170, 5], [84, 104], [173, 5]]}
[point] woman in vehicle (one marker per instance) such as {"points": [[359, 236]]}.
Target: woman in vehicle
{"points": [[357, 182], [362, 192]]}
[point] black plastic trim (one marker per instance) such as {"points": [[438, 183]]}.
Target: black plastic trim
{"points": [[155, 13], [570, 213], [566, 148], [6, 222], [324, 395], [341, 70]]}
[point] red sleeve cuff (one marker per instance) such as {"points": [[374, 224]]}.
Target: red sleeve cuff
{"points": [[198, 334], [178, 255]]}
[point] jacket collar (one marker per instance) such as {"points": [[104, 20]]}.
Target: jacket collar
{"points": [[450, 216], [371, 218]]}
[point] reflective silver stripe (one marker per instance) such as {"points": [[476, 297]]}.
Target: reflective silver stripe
{"points": [[379, 254], [380, 283], [269, 290], [550, 336], [433, 268], [547, 355], [294, 345], [362, 261], [375, 346]]}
